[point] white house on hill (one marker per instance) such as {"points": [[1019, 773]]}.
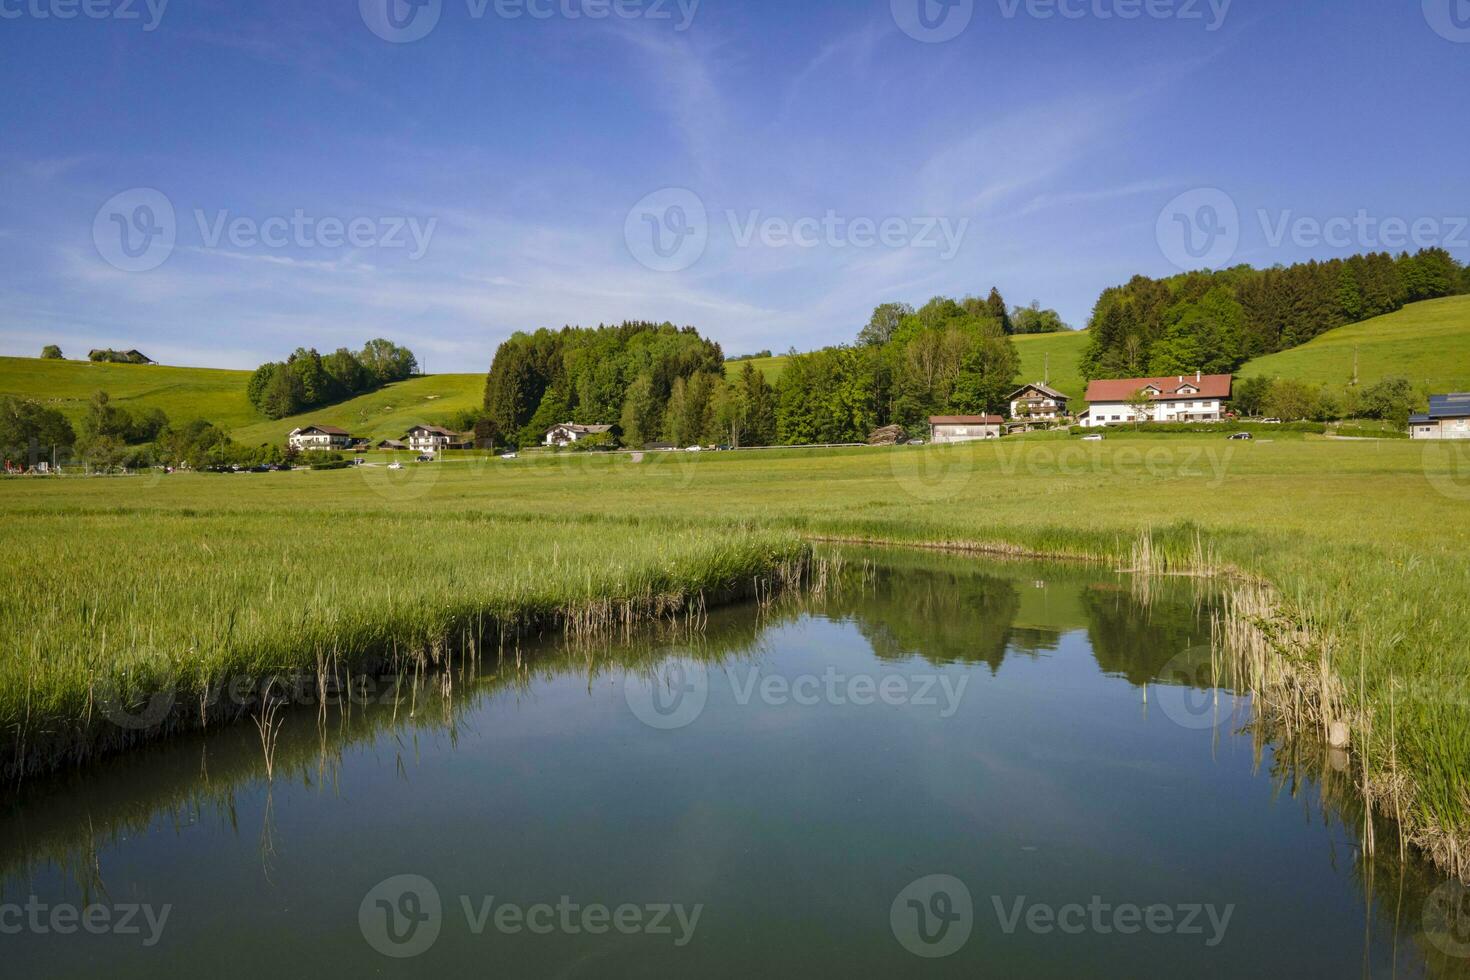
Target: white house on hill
{"points": [[432, 439], [1182, 398], [568, 433], [1037, 401], [314, 438]]}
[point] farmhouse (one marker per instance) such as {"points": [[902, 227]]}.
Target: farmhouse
{"points": [[1181, 398], [964, 428], [319, 437], [434, 439], [568, 433], [1036, 402], [1448, 418]]}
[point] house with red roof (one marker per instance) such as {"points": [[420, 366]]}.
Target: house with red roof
{"points": [[1181, 398]]}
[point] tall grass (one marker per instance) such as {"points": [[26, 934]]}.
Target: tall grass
{"points": [[1363, 546]]}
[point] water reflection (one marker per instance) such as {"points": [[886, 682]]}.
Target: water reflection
{"points": [[82, 833]]}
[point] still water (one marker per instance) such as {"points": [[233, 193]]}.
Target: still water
{"points": [[945, 767]]}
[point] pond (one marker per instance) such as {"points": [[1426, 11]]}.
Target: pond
{"points": [[939, 766]]}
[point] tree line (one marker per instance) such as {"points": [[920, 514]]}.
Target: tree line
{"points": [[657, 383], [308, 380], [1216, 321]]}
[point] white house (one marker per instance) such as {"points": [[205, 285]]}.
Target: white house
{"points": [[1182, 398], [568, 433], [431, 439], [314, 438], [1448, 418], [1036, 402], [945, 429]]}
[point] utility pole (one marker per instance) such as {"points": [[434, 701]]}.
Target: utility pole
{"points": [[1047, 379]]}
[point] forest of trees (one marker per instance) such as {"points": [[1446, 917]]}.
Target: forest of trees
{"points": [[1216, 321], [655, 382], [947, 357], [660, 384], [306, 379]]}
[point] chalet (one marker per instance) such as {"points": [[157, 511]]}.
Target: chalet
{"points": [[394, 445], [1180, 398], [314, 438], [568, 433], [1037, 402], [1448, 418], [434, 439], [964, 428]]}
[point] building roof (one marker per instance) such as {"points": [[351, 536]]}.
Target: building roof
{"points": [[1455, 406], [1170, 388], [966, 420], [588, 430], [391, 444], [330, 430], [1044, 389], [437, 430]]}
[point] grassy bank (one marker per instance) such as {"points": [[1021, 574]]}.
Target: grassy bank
{"points": [[1363, 544]]}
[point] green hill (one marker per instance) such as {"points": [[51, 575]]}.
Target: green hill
{"points": [[1061, 353], [1428, 343], [183, 393], [771, 367], [383, 414], [186, 394]]}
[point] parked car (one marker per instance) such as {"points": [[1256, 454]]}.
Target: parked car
{"points": [[1093, 438], [511, 456], [395, 466], [1270, 421], [695, 449], [426, 458], [1242, 437]]}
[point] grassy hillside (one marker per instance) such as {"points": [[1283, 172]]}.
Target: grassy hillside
{"points": [[1428, 343], [219, 396], [183, 393], [771, 367], [383, 414], [1064, 351]]}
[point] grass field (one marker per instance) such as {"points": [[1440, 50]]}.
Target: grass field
{"points": [[183, 393], [186, 394], [1428, 343], [771, 367], [194, 575], [1062, 354], [383, 414]]}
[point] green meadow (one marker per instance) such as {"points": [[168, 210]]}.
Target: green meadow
{"points": [[1058, 356], [192, 577], [1428, 343]]}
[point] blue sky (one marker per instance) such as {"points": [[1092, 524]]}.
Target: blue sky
{"points": [[519, 149]]}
